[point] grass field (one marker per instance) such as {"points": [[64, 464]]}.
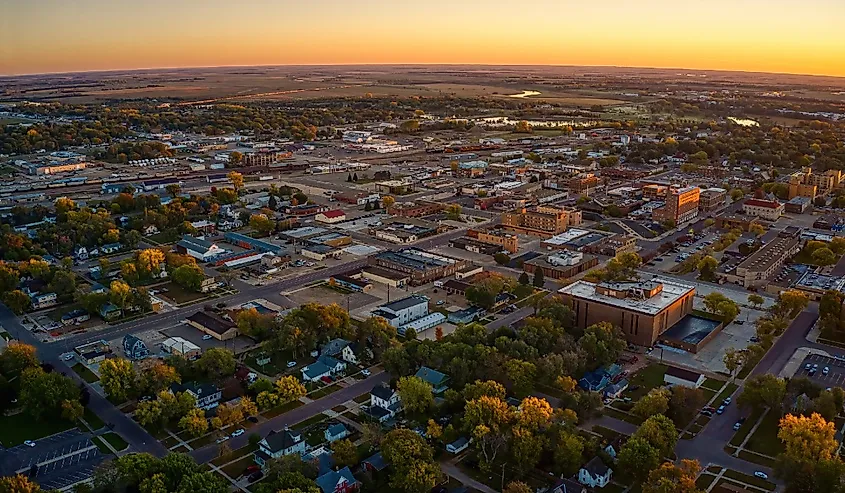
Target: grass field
{"points": [[17, 428], [115, 441], [93, 420], [278, 411], [85, 373], [180, 295], [745, 429], [728, 390], [647, 378], [765, 438]]}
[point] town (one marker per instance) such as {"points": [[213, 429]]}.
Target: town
{"points": [[643, 289]]}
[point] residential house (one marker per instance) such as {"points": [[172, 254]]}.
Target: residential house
{"points": [[340, 348], [458, 445], [134, 348], [330, 217], [207, 395], [595, 473], [75, 317], [81, 253], [335, 432], [597, 380], [403, 311], [43, 300], [568, 486], [439, 381], [277, 444], [680, 376], [315, 371], [110, 248], [334, 365], [218, 328], [180, 346], [199, 248], [614, 391], [150, 230], [110, 312], [613, 448], [384, 403], [341, 481], [374, 463]]}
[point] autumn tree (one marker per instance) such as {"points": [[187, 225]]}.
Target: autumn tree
{"points": [[236, 179], [344, 452], [534, 414], [671, 478], [414, 470], [16, 358], [18, 484], [416, 394], [194, 422], [660, 432], [808, 437], [517, 487], [488, 419], [119, 293], [156, 377], [289, 388], [655, 402], [479, 388], [117, 376]]}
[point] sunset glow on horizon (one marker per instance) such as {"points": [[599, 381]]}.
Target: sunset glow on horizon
{"points": [[42, 36]]}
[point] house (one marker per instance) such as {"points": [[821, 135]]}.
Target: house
{"points": [[384, 403], [180, 346], [614, 391], [439, 382], [218, 328], [374, 463], [597, 380], [340, 347], [150, 230], [613, 448], [110, 248], [595, 473], [458, 445], [324, 366], [277, 444], [81, 253], [680, 376], [207, 395], [93, 352], [110, 312], [335, 432], [43, 300], [134, 348], [567, 486], [98, 288], [341, 481], [330, 217], [403, 311], [75, 317], [334, 365]]}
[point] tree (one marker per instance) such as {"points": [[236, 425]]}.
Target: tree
{"points": [[344, 453], [790, 303], [762, 391], [502, 258], [737, 194], [207, 482], [217, 363], [17, 301], [603, 343], [43, 394], [637, 458], [289, 388], [416, 394], [18, 484], [523, 279], [824, 256], [660, 432], [522, 126], [526, 448], [685, 404], [721, 305], [235, 158], [157, 377], [568, 449], [538, 281], [119, 293], [756, 300], [414, 470], [521, 376], [433, 430], [237, 179], [453, 212], [117, 376], [534, 414], [488, 419], [733, 360], [194, 422], [707, 268], [16, 358], [488, 388], [409, 126], [261, 224], [173, 189], [671, 478], [150, 261], [655, 402], [517, 487], [189, 277], [388, 201], [808, 437]]}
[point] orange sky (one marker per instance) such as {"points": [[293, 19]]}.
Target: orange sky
{"points": [[38, 36]]}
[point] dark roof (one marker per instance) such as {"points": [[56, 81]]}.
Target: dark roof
{"points": [[404, 303], [328, 482], [683, 374], [333, 347], [433, 377], [376, 461], [596, 467], [200, 389], [214, 324], [382, 392], [568, 486], [282, 440], [377, 411]]}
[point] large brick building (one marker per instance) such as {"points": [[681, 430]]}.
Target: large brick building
{"points": [[681, 205], [544, 220], [643, 310], [712, 200]]}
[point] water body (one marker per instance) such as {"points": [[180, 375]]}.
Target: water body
{"points": [[745, 122], [525, 94]]}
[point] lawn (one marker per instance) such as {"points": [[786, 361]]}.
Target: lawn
{"points": [[363, 398], [179, 295], [322, 392], [278, 411], [752, 480], [630, 418], [277, 365], [713, 384], [647, 378], [310, 421], [607, 433], [707, 393], [115, 441], [101, 444], [93, 420], [704, 481], [235, 469], [235, 454], [740, 435], [728, 390], [765, 438], [756, 458], [16, 428], [166, 236], [85, 373]]}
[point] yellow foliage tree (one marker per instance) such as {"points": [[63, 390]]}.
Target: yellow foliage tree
{"points": [[194, 422], [808, 437], [289, 388]]}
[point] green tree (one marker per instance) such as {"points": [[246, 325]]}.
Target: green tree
{"points": [[655, 402], [17, 301], [824, 256], [568, 452], [416, 394], [189, 276], [414, 470], [538, 281], [523, 279], [756, 300], [344, 453], [660, 432], [117, 375], [761, 391], [602, 343], [526, 448], [217, 363], [637, 458]]}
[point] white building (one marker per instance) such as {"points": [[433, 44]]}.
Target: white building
{"points": [[680, 376], [401, 312], [769, 210]]}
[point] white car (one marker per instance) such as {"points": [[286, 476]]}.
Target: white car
{"points": [[67, 356], [206, 337], [222, 439], [291, 364], [237, 433], [826, 370], [365, 372], [29, 443], [761, 475]]}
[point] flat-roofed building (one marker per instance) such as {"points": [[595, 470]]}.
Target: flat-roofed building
{"points": [[733, 221], [681, 205], [507, 241], [797, 205], [712, 200], [654, 192], [561, 265], [642, 309], [180, 346], [761, 265], [613, 245], [387, 277], [816, 285], [218, 328], [769, 210], [544, 221], [421, 266]]}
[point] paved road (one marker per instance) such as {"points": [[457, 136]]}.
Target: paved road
{"points": [[134, 434], [455, 472], [209, 452]]}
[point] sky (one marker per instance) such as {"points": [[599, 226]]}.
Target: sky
{"points": [[789, 36]]}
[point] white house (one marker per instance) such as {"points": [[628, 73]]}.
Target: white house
{"points": [[400, 312], [199, 248], [341, 348], [680, 376], [335, 432], [384, 403], [458, 445], [324, 366], [277, 444], [595, 473], [207, 395]]}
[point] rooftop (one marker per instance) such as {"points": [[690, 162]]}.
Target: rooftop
{"points": [[820, 282], [214, 324], [690, 329], [769, 204], [404, 303], [671, 293], [565, 237]]}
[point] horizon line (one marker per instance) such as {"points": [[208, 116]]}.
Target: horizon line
{"points": [[409, 64]]}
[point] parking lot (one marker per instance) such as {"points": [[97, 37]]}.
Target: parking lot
{"points": [[62, 459], [835, 376]]}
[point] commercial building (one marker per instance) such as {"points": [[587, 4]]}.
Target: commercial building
{"points": [[52, 169], [805, 183], [263, 246], [506, 241], [390, 278], [180, 346], [583, 183], [712, 200], [544, 221], [402, 312], [655, 192], [613, 245], [216, 327], [331, 217], [199, 248], [816, 285], [681, 205], [733, 221], [797, 205], [643, 309], [769, 210], [758, 268], [418, 208], [420, 266], [561, 265]]}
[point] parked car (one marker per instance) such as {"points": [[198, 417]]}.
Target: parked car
{"points": [[251, 469], [441, 302], [365, 372], [291, 364], [720, 410], [67, 356], [206, 337], [812, 372], [238, 432], [761, 475], [29, 443], [326, 379], [727, 401], [826, 370], [222, 439], [706, 412], [737, 426]]}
